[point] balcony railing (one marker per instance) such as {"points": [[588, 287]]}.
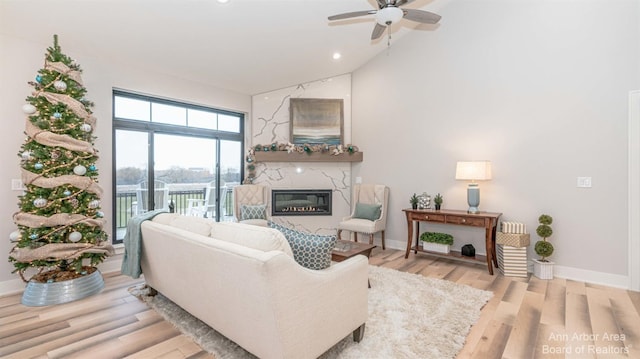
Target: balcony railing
{"points": [[125, 203]]}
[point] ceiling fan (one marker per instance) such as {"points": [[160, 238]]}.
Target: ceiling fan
{"points": [[390, 13]]}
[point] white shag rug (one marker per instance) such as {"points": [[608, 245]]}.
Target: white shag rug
{"points": [[410, 316]]}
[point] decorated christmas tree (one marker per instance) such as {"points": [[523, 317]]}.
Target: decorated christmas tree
{"points": [[60, 225]]}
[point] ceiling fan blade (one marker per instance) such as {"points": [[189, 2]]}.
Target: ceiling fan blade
{"points": [[382, 3], [348, 15], [424, 17], [402, 2], [378, 31]]}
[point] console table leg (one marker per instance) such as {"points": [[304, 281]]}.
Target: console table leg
{"points": [[409, 235], [493, 247], [489, 249], [489, 264]]}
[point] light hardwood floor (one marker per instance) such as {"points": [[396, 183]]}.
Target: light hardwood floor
{"points": [[526, 318]]}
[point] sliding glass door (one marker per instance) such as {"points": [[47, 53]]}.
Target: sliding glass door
{"points": [[182, 163]]}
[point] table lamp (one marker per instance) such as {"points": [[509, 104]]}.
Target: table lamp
{"points": [[473, 171]]}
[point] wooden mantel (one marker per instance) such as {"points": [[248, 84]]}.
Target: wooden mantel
{"points": [[284, 156]]}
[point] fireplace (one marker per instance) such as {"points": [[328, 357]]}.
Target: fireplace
{"points": [[301, 202]]}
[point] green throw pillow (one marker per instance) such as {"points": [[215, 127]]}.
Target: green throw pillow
{"points": [[311, 251], [368, 211], [257, 211]]}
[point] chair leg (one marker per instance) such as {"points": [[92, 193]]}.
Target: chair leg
{"points": [[370, 238], [339, 234], [382, 240], [355, 236]]}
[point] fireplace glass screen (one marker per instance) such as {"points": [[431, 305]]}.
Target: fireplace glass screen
{"points": [[301, 202]]}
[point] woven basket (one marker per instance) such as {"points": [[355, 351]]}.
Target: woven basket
{"points": [[512, 239]]}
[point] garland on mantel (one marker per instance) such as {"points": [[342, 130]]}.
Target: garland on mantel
{"points": [[334, 150]]}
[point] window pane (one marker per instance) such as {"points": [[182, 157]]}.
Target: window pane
{"points": [[230, 166], [168, 114], [229, 123], [191, 153], [187, 165], [131, 170], [230, 161], [202, 119], [131, 109]]}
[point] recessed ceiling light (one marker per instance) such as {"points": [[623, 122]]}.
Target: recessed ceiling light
{"points": [[223, 1], [337, 55]]}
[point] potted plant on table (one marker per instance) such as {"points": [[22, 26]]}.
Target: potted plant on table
{"points": [[414, 201], [437, 200], [543, 268], [436, 242]]}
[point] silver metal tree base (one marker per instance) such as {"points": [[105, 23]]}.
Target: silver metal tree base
{"points": [[40, 294]]}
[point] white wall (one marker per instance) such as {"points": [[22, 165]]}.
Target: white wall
{"points": [[19, 63], [540, 88]]}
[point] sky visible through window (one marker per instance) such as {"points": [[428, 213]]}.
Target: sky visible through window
{"points": [[174, 150]]}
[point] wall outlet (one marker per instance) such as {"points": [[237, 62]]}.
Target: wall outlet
{"points": [[358, 179], [584, 182], [16, 184]]}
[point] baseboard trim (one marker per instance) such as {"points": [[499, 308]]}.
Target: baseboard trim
{"points": [[577, 274], [593, 277], [11, 287]]}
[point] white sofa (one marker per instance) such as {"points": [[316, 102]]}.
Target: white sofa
{"points": [[242, 281]]}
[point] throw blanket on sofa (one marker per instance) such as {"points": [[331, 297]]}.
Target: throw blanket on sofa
{"points": [[132, 240]]}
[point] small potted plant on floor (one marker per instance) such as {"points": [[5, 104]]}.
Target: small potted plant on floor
{"points": [[437, 200], [543, 268], [436, 242], [414, 201]]}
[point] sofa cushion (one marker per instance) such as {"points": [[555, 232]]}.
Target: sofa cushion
{"points": [[197, 225], [262, 238], [311, 251], [253, 211], [367, 211]]}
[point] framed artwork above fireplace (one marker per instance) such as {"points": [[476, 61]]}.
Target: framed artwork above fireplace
{"points": [[316, 121]]}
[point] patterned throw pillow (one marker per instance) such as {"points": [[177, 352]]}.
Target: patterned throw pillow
{"points": [[311, 251], [256, 211]]}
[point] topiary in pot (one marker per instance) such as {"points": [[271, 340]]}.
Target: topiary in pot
{"points": [[437, 200], [543, 248], [414, 201], [543, 268]]}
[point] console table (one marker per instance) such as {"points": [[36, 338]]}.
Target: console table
{"points": [[486, 220]]}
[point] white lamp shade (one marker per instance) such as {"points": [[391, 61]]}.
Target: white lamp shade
{"points": [[473, 170], [389, 15]]}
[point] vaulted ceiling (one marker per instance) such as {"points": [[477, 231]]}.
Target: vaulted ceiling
{"points": [[247, 46]]}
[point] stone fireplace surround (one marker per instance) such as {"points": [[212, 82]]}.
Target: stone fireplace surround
{"points": [[270, 123]]}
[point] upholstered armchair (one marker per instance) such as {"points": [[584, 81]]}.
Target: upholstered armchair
{"points": [[368, 213], [251, 204]]}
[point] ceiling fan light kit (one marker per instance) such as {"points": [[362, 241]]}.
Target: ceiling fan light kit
{"points": [[389, 15], [389, 12]]}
